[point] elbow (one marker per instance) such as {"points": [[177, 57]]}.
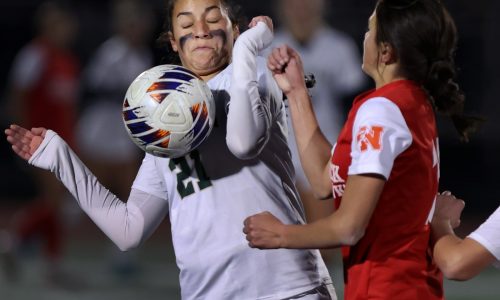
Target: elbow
{"points": [[454, 268], [321, 192], [457, 274], [350, 234], [244, 148], [128, 244], [322, 189]]}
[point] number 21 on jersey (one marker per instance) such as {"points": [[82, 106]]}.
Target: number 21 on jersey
{"points": [[191, 176]]}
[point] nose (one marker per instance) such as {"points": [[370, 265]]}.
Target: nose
{"points": [[201, 30]]}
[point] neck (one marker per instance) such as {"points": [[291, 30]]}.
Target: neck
{"points": [[386, 75], [208, 76]]}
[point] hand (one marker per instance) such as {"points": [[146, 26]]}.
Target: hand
{"points": [[264, 19], [286, 66], [448, 209], [25, 142], [264, 231]]}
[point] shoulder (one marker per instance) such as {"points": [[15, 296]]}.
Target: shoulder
{"points": [[382, 113], [30, 54], [379, 107], [108, 51], [406, 94], [28, 64]]}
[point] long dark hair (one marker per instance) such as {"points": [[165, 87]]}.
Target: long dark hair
{"points": [[424, 38], [163, 42]]}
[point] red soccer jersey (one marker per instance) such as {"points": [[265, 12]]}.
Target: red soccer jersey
{"points": [[392, 260], [52, 97]]}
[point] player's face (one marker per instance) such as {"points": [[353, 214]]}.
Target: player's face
{"points": [[370, 49], [203, 35]]}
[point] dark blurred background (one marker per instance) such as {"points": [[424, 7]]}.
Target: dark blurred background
{"points": [[469, 170]]}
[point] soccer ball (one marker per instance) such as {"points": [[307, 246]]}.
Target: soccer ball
{"points": [[168, 111]]}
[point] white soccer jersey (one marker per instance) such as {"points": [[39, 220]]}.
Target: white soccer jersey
{"points": [[488, 235], [209, 192]]}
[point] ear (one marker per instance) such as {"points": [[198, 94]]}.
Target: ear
{"points": [[171, 38], [387, 54]]}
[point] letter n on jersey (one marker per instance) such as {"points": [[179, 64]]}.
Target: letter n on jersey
{"points": [[370, 136]]}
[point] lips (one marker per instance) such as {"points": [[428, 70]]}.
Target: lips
{"points": [[203, 48]]}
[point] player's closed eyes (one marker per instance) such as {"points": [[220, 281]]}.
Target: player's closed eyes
{"points": [[213, 20], [214, 16], [186, 26]]}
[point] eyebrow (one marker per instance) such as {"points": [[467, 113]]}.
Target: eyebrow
{"points": [[187, 13]]}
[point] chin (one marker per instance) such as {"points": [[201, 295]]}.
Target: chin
{"points": [[206, 68]]}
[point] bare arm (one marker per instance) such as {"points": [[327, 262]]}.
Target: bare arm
{"points": [[344, 227], [314, 149], [459, 259]]}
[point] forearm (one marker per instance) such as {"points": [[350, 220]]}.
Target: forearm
{"points": [[249, 118], [460, 259], [321, 234], [314, 149], [124, 223], [347, 225]]}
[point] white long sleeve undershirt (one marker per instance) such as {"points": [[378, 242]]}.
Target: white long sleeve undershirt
{"points": [[126, 224], [248, 129]]}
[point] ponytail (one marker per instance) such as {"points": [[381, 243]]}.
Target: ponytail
{"points": [[448, 99], [424, 36]]}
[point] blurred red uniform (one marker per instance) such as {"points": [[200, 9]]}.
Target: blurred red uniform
{"points": [[49, 77]]}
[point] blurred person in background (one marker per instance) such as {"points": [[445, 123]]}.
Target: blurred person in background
{"points": [[109, 72], [43, 90], [462, 259], [334, 59]]}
